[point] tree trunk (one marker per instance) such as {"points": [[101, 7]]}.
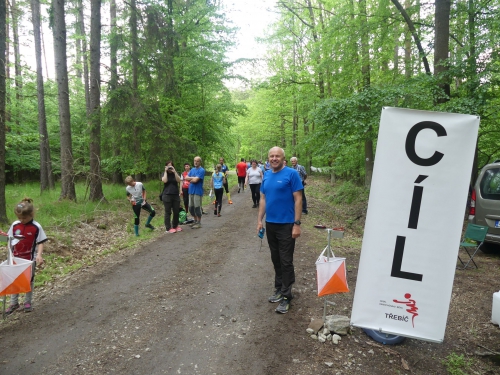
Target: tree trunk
{"points": [[135, 63], [61, 69], [408, 62], [472, 78], [441, 46], [85, 58], [113, 84], [95, 182], [6, 65], [283, 131], [78, 44], [319, 70], [3, 39], [171, 88], [14, 11], [46, 174], [411, 27], [295, 123], [365, 72]]}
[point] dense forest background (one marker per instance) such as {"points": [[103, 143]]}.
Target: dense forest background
{"points": [[141, 82]]}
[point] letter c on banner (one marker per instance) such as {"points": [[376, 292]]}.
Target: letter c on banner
{"points": [[412, 136]]}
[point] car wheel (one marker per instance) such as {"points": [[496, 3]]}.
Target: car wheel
{"points": [[490, 248]]}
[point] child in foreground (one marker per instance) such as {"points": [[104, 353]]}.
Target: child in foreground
{"points": [[136, 194], [30, 247]]}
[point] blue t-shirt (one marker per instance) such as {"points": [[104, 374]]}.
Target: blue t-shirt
{"points": [[279, 188], [224, 168], [218, 180], [196, 188]]}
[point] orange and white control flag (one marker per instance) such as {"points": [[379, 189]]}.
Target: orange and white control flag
{"points": [[15, 278], [331, 275]]}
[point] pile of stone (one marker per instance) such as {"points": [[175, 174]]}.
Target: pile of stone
{"points": [[331, 329]]}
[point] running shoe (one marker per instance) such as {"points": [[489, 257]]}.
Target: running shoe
{"points": [[11, 309], [28, 307], [150, 226], [276, 297], [178, 229], [284, 306], [196, 226], [230, 202], [172, 230]]}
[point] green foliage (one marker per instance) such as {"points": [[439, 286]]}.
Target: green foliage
{"points": [[457, 364], [348, 192], [316, 104]]}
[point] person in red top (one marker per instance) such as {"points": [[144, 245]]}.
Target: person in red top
{"points": [[241, 171], [185, 185], [28, 245]]}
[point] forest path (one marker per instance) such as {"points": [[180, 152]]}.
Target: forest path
{"points": [[193, 302]]}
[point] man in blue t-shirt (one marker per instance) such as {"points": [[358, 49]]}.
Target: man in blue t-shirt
{"points": [[281, 194], [195, 191]]}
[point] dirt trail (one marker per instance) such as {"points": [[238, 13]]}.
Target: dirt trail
{"points": [[193, 302]]}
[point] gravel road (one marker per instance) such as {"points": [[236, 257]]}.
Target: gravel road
{"points": [[193, 302]]}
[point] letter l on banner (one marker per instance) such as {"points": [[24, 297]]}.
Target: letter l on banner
{"points": [[414, 222]]}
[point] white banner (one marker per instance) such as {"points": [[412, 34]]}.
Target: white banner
{"points": [[414, 221]]}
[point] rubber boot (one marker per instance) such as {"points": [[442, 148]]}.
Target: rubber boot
{"points": [[229, 198], [148, 221], [136, 230]]}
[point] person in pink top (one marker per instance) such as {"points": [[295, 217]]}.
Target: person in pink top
{"points": [[185, 185]]}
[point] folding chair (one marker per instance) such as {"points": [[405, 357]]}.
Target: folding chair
{"points": [[475, 233]]}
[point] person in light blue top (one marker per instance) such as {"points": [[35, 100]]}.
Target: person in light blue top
{"points": [[195, 177], [281, 202], [217, 184]]}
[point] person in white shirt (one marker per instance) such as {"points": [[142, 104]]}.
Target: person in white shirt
{"points": [[254, 179]]}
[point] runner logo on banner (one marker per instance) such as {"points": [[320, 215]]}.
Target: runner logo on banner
{"points": [[414, 222]]}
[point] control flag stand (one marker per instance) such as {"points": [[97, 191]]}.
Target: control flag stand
{"points": [[331, 271], [15, 273]]}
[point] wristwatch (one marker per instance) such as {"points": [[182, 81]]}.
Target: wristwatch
{"points": [[297, 222]]}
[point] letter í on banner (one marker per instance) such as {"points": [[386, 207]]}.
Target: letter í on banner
{"points": [[414, 222]]}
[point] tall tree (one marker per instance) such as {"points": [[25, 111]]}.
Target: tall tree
{"points": [[46, 175], [95, 182], [366, 81], [442, 46], [413, 31], [61, 68], [3, 38], [80, 20], [14, 11], [113, 85], [135, 72]]}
